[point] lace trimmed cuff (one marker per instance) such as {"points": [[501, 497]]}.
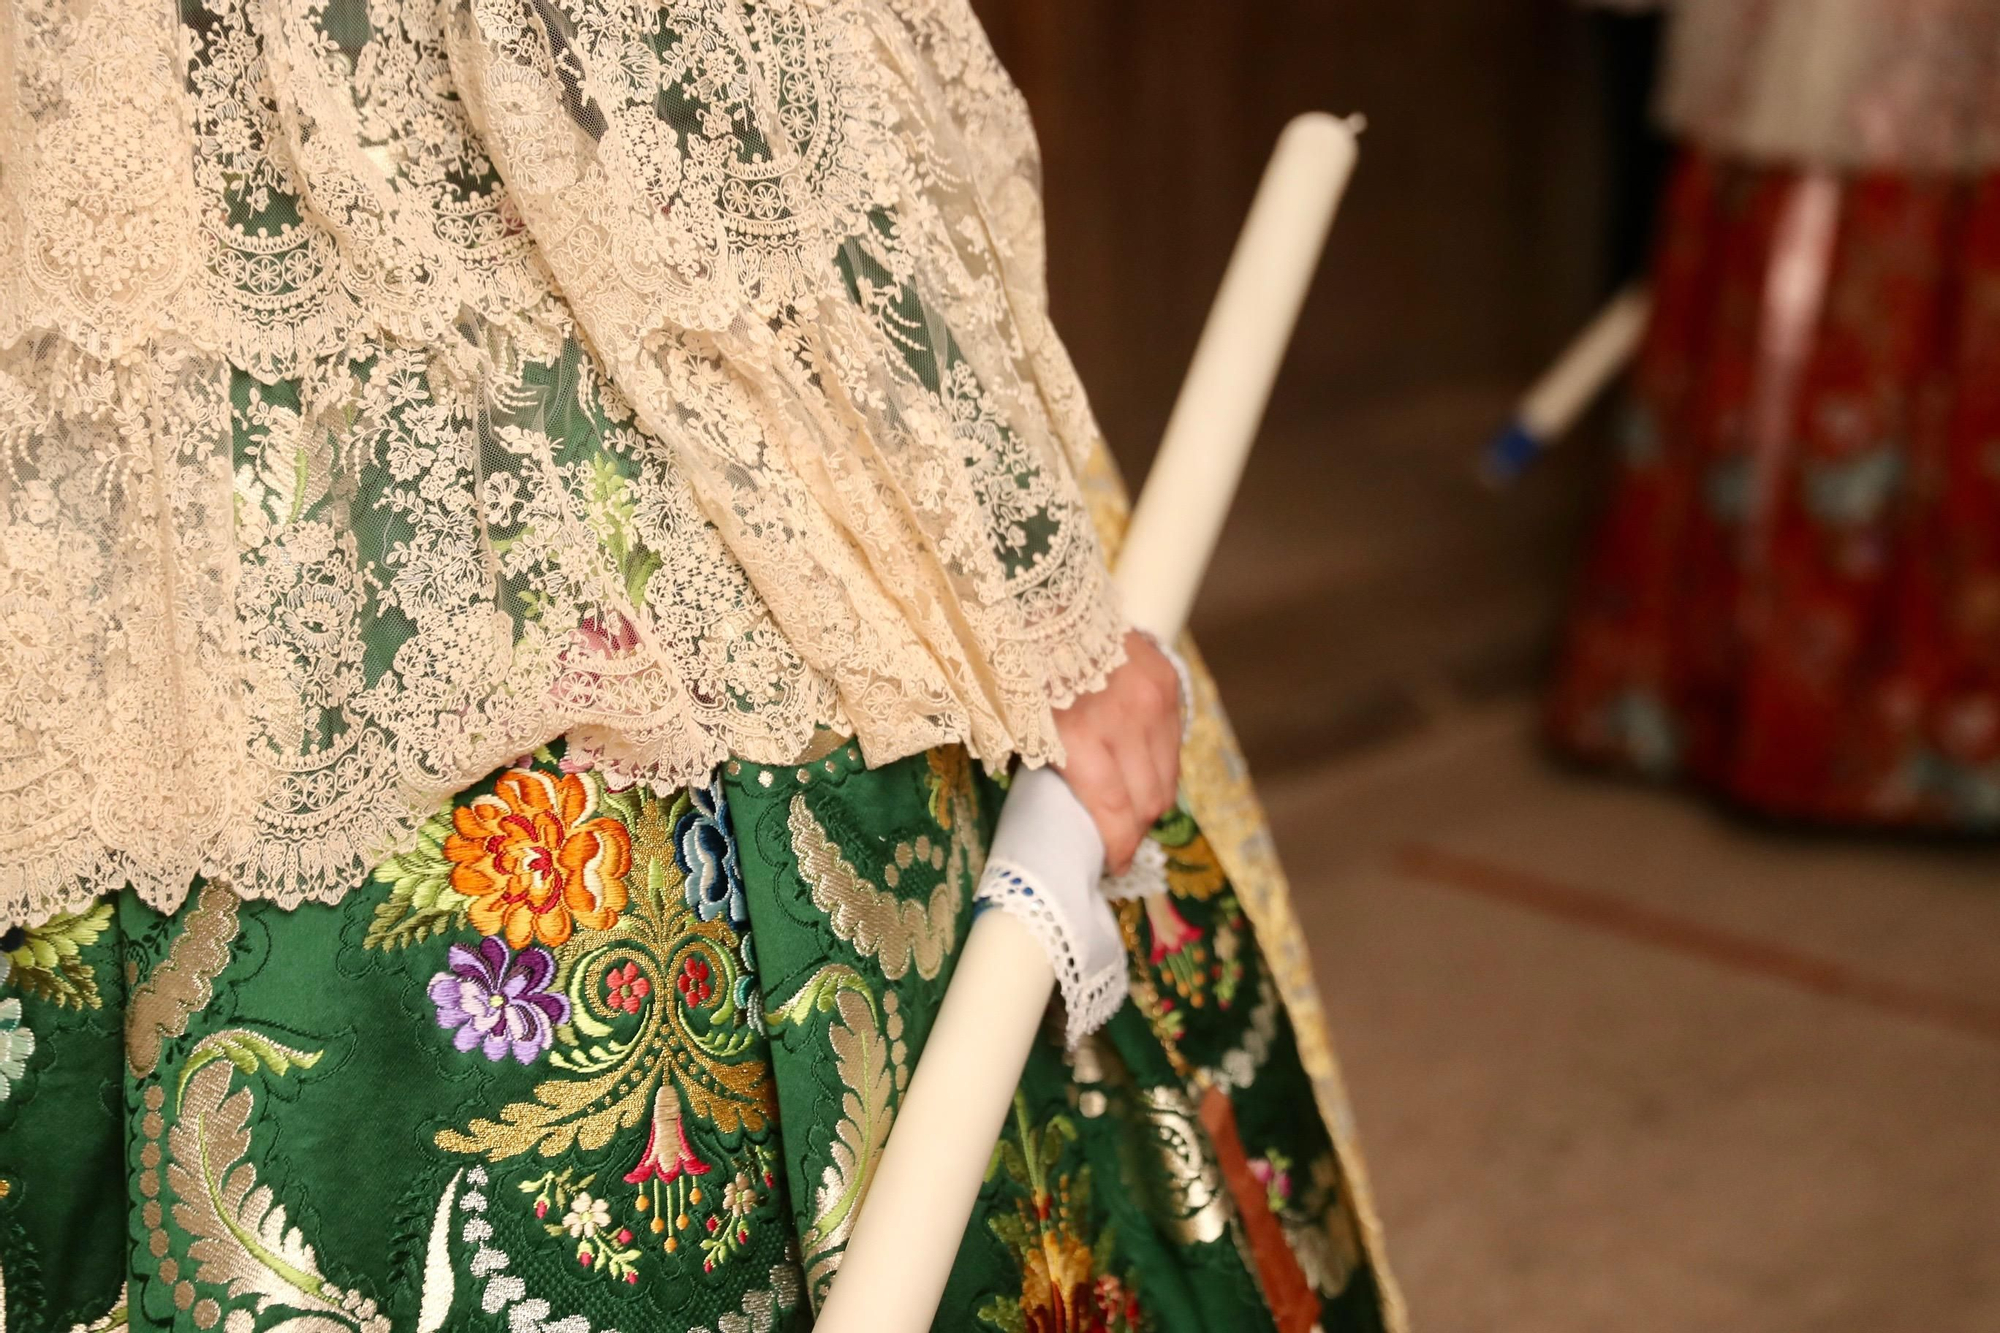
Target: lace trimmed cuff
{"points": [[1043, 869]]}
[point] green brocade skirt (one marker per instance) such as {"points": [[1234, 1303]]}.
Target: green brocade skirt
{"points": [[589, 1059]]}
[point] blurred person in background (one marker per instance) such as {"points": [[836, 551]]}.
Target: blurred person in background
{"points": [[1794, 599]]}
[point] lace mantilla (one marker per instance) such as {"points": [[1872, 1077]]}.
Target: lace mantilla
{"points": [[388, 387]]}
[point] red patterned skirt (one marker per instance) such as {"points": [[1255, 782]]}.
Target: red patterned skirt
{"points": [[1794, 598]]}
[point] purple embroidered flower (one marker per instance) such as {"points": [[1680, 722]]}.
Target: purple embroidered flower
{"points": [[497, 1001]]}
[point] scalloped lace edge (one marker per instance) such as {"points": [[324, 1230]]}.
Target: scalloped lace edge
{"points": [[1090, 995]]}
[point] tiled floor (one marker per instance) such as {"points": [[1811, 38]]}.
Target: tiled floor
{"points": [[1622, 1063]]}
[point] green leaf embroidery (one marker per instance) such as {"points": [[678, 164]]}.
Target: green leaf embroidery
{"points": [[1058, 1136], [421, 901], [1011, 1228], [818, 995], [1007, 1157], [48, 962], [639, 571], [614, 511], [1004, 1313], [246, 1050], [1175, 828], [862, 1062]]}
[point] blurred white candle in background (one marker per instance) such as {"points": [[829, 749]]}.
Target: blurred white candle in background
{"points": [[1557, 400]]}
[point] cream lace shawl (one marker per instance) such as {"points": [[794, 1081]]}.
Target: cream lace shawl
{"points": [[390, 386]]}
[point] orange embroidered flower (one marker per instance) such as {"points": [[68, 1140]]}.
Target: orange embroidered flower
{"points": [[537, 860]]}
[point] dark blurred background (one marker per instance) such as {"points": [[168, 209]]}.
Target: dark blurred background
{"points": [[1471, 244], [1620, 1060]]}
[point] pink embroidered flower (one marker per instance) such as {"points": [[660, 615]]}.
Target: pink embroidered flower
{"points": [[625, 988], [1274, 1173], [1273, 1177], [668, 1154], [1115, 1307], [1171, 931], [611, 635]]}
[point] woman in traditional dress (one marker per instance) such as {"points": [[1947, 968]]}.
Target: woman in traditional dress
{"points": [[1795, 596], [534, 534]]}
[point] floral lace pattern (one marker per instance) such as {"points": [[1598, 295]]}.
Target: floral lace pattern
{"points": [[389, 387]]}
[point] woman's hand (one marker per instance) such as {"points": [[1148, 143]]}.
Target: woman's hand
{"points": [[1124, 745]]}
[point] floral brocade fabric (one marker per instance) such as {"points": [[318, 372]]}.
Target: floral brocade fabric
{"points": [[590, 1058], [388, 387]]}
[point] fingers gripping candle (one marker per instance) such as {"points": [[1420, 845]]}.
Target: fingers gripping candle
{"points": [[914, 1214]]}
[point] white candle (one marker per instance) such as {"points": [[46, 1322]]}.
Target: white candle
{"points": [[914, 1215], [1556, 401], [1179, 516]]}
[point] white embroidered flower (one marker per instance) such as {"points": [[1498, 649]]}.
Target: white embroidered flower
{"points": [[739, 1196], [16, 1045], [502, 495], [587, 1216]]}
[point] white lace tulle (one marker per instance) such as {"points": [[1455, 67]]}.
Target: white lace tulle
{"points": [[387, 387]]}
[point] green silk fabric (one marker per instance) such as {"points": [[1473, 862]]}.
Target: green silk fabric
{"points": [[588, 1060]]}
